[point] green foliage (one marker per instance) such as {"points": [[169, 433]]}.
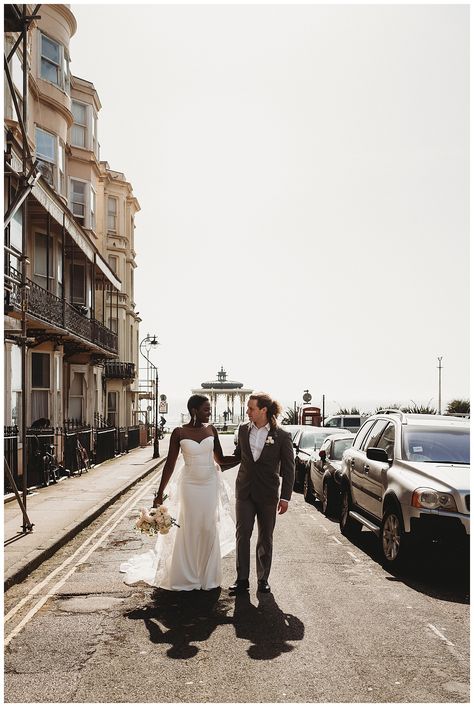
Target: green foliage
{"points": [[290, 417], [346, 411], [420, 409], [392, 406], [459, 406]]}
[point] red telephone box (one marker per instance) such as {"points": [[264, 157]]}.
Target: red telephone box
{"points": [[310, 416]]}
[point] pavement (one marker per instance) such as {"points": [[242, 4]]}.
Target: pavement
{"points": [[62, 510]]}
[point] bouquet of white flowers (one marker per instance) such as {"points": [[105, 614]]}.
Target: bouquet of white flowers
{"points": [[155, 520]]}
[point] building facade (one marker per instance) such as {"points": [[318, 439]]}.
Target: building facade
{"points": [[71, 330]]}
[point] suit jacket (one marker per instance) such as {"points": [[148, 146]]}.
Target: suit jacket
{"points": [[261, 479]]}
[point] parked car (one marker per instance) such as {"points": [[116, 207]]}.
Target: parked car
{"points": [[306, 442], [293, 429], [323, 477], [345, 422], [406, 478]]}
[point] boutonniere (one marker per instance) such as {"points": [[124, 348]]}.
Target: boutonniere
{"points": [[269, 440]]}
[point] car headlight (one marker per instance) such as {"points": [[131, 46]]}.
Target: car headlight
{"points": [[433, 500]]}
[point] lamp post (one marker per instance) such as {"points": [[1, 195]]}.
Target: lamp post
{"points": [[149, 342]]}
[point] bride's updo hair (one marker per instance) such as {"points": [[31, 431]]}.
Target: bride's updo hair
{"points": [[273, 406], [195, 402]]}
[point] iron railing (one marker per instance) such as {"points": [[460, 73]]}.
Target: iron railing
{"points": [[119, 369], [100, 443], [56, 311]]}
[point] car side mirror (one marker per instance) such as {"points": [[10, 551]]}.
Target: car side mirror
{"points": [[377, 455], [295, 446], [322, 455]]}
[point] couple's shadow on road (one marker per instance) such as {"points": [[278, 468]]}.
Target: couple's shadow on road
{"points": [[182, 619]]}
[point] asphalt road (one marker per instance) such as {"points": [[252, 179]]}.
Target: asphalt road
{"points": [[337, 627]]}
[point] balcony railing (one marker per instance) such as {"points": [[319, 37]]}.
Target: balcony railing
{"points": [[54, 310], [119, 369]]}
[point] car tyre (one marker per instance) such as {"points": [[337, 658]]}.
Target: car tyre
{"points": [[308, 490], [394, 542], [328, 504], [349, 526]]}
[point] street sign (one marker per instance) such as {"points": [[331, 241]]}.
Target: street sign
{"points": [[163, 409]]}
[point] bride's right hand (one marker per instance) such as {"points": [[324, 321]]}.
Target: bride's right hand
{"points": [[157, 501]]}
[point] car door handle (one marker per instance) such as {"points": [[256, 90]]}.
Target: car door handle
{"points": [[366, 468]]}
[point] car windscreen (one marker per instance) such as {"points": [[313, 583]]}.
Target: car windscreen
{"points": [[310, 440], [340, 446], [430, 444]]}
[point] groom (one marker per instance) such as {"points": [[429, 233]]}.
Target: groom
{"points": [[265, 451]]}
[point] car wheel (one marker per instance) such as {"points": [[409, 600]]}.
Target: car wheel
{"points": [[393, 539], [348, 525], [328, 505], [308, 490]]}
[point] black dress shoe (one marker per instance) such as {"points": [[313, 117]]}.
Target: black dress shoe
{"points": [[263, 586], [239, 586]]}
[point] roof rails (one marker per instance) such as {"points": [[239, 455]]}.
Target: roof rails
{"points": [[388, 411]]}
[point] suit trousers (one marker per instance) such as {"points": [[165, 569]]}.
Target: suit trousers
{"points": [[245, 512]]}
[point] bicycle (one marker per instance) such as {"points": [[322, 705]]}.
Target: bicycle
{"points": [[50, 466], [82, 458]]}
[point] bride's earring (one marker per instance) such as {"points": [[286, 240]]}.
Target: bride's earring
{"points": [[194, 420]]}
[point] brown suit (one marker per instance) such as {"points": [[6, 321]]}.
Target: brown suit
{"points": [[257, 494]]}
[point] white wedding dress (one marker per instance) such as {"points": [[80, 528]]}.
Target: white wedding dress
{"points": [[189, 557]]}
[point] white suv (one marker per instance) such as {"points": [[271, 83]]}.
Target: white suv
{"points": [[406, 477], [345, 422]]}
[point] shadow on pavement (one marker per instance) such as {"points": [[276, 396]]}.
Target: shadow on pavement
{"points": [[439, 570], [182, 619], [267, 627]]}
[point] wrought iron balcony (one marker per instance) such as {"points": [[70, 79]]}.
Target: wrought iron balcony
{"points": [[119, 369], [46, 307]]}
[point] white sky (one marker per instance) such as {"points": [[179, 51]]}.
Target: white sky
{"points": [[303, 178]]}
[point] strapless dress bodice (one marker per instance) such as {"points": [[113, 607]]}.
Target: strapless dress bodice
{"points": [[198, 455]]}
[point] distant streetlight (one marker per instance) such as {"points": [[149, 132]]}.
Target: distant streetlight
{"points": [[150, 342], [440, 358]]}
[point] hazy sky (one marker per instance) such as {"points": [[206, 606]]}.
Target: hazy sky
{"points": [[302, 173]]}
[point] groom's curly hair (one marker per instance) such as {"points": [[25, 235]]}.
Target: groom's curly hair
{"points": [[273, 406]]}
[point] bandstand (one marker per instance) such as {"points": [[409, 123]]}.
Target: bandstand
{"points": [[234, 394]]}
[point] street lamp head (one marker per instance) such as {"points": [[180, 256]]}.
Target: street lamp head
{"points": [[154, 341]]}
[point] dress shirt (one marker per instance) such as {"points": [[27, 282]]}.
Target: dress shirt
{"points": [[257, 438]]}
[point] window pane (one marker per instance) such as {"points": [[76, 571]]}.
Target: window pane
{"points": [[45, 145], [374, 435], [77, 384], [75, 408], [78, 192], [41, 240], [78, 136], [39, 405], [79, 112], [15, 230], [40, 370], [49, 71], [49, 49], [78, 287]]}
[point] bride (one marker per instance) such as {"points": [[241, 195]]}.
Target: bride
{"points": [[189, 557]]}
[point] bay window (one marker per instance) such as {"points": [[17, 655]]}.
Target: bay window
{"points": [[79, 128], [83, 202], [54, 65]]}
